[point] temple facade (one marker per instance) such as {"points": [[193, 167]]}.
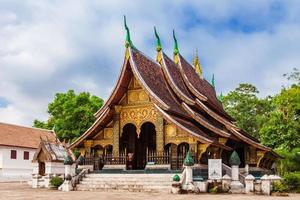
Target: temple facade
{"points": [[161, 109]]}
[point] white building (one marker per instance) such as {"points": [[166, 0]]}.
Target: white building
{"points": [[17, 147]]}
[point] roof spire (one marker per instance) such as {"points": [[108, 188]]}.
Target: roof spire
{"points": [[213, 81], [158, 43], [158, 47], [197, 65], [221, 97], [176, 50], [128, 41]]}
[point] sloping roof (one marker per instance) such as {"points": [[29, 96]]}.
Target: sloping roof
{"points": [[200, 87], [179, 94], [53, 151], [20, 136]]}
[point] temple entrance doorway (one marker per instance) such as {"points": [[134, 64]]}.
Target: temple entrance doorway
{"points": [[146, 144], [42, 168], [136, 148]]}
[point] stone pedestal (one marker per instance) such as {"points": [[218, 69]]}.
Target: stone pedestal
{"points": [[188, 175], [249, 181], [47, 179], [66, 186], [35, 180], [235, 173], [226, 181], [235, 186], [266, 185], [68, 169], [176, 187], [202, 186]]}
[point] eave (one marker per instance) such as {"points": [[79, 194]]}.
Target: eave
{"points": [[175, 82], [201, 120]]}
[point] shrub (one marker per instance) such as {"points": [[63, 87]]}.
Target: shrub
{"points": [[279, 186], [292, 180], [176, 178], [56, 181], [213, 190]]}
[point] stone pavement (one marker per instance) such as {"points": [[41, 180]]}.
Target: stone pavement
{"points": [[17, 191]]}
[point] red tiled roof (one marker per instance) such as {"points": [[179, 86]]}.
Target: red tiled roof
{"points": [[173, 74], [203, 87], [153, 76], [20, 136]]}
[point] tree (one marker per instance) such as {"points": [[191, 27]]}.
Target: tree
{"points": [[282, 129], [71, 114], [246, 108]]}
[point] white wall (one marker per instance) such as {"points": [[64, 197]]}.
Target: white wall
{"points": [[15, 169]]}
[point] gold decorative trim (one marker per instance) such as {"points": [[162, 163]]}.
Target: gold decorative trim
{"points": [[260, 155]]}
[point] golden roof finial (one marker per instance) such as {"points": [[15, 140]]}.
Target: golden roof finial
{"points": [[197, 65]]}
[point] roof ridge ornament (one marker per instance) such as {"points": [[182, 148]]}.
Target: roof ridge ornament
{"points": [[158, 43], [221, 97], [197, 65], [176, 49], [213, 81], [128, 42], [158, 47]]}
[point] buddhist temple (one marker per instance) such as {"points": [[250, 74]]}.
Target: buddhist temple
{"points": [[159, 110]]}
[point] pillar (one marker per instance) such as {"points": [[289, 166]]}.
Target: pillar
{"points": [[188, 175], [265, 185], [235, 172], [116, 131], [159, 128], [249, 182]]}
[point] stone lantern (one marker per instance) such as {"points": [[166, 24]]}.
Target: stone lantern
{"points": [[235, 161]]}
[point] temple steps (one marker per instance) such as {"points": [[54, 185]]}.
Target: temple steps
{"points": [[127, 182]]}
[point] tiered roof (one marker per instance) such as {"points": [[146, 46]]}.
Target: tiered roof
{"points": [[182, 97]]}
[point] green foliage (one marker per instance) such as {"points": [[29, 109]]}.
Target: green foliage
{"points": [[290, 161], [71, 114], [282, 128], [279, 186], [76, 153], [273, 120], [213, 190], [234, 159], [294, 76], [292, 180], [56, 181], [176, 178], [246, 108]]}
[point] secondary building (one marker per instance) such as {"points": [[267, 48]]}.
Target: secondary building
{"points": [[17, 147]]}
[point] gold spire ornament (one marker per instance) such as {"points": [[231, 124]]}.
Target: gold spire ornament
{"points": [[197, 65]]}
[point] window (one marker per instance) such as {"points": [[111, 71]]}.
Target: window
{"points": [[13, 154], [26, 155]]}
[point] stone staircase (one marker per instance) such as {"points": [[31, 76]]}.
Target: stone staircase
{"points": [[127, 182]]}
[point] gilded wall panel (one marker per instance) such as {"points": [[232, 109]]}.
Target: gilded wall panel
{"points": [[138, 115]]}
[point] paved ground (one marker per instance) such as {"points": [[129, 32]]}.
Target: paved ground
{"points": [[17, 191]]}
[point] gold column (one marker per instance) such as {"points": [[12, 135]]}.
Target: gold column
{"points": [[159, 127], [116, 131]]}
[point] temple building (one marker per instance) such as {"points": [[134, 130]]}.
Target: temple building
{"points": [[161, 109]]}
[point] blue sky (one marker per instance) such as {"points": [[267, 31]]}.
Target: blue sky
{"points": [[51, 46]]}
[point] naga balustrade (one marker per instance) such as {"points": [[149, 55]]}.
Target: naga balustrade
{"points": [[153, 157]]}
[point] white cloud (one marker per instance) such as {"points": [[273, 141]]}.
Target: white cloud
{"points": [[53, 46]]}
